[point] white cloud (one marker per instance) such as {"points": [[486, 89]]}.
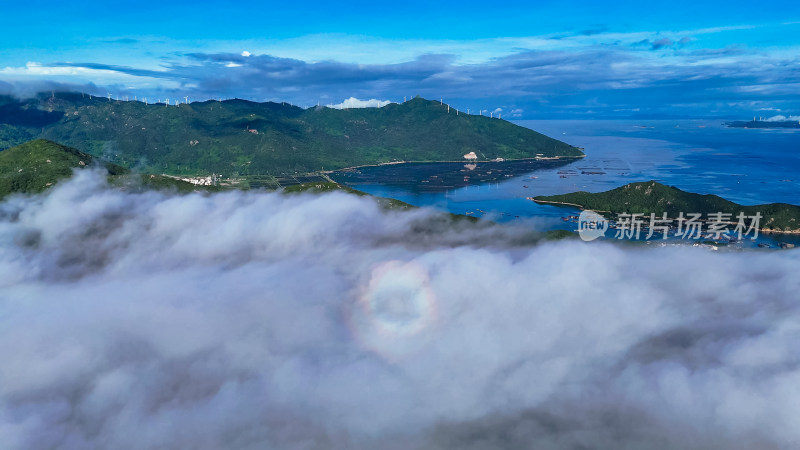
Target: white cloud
{"points": [[37, 69], [535, 71], [353, 102], [252, 320], [781, 118], [377, 50], [34, 72]]}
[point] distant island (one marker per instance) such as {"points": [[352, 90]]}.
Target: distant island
{"points": [[239, 138], [652, 197], [764, 124]]}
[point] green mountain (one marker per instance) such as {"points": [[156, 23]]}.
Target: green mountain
{"points": [[35, 166], [652, 197], [243, 138]]}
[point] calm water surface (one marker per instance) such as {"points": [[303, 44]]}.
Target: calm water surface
{"points": [[748, 166]]}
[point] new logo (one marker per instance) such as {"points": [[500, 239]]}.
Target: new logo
{"points": [[591, 225]]}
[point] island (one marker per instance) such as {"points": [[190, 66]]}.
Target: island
{"points": [[652, 197], [764, 124]]}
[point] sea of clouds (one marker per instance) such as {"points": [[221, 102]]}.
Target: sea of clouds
{"points": [[141, 320]]}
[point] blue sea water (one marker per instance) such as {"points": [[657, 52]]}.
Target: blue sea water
{"points": [[747, 166]]}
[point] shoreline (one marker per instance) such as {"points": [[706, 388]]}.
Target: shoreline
{"points": [[464, 161], [762, 230], [548, 202], [771, 231]]}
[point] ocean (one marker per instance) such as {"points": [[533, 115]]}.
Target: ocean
{"points": [[747, 166]]}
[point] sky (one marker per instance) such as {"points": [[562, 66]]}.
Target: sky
{"points": [[582, 59]]}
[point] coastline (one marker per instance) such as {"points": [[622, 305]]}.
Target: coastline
{"points": [[533, 199], [464, 161], [771, 231], [763, 230]]}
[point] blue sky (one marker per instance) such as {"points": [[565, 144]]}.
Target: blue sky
{"points": [[542, 59]]}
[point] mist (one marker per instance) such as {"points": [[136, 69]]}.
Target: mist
{"points": [[251, 320]]}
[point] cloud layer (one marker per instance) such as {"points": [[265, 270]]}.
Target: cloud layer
{"points": [[255, 320], [353, 102], [703, 72], [782, 118]]}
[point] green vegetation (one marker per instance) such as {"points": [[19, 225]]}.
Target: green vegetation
{"points": [[35, 166], [239, 138], [331, 186], [557, 235], [652, 197], [143, 182], [322, 186]]}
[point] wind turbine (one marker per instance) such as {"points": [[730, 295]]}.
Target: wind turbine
{"points": [[186, 99], [109, 97]]}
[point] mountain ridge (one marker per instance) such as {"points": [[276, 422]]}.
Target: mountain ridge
{"points": [[240, 137]]}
